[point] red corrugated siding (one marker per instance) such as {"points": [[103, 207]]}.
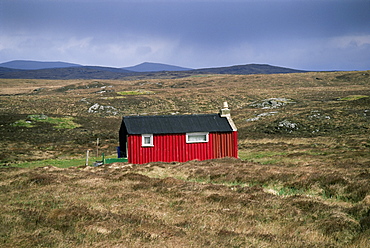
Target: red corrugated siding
{"points": [[173, 147], [225, 145], [235, 140]]}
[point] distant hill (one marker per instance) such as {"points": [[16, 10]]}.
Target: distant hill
{"points": [[5, 69], [143, 71], [82, 72], [153, 67], [248, 69], [35, 65]]}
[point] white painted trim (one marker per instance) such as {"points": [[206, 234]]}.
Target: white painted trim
{"points": [[143, 140]]}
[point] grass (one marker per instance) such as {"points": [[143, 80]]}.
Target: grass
{"points": [[58, 122], [122, 206], [277, 189], [302, 187], [60, 163], [23, 123], [352, 97], [62, 122], [135, 92], [263, 157], [282, 190]]}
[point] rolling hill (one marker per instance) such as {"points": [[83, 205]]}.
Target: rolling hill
{"points": [[151, 67], [35, 65], [141, 71], [82, 72], [248, 69], [6, 69]]}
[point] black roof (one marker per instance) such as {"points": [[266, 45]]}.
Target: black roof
{"points": [[163, 124]]}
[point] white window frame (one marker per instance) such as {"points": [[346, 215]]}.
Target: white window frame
{"points": [[143, 139], [189, 135]]}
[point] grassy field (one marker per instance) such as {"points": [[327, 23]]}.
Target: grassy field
{"points": [[302, 179], [216, 203]]}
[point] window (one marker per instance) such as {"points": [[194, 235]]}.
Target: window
{"points": [[196, 137], [147, 140]]}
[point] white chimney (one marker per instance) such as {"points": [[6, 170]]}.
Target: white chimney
{"points": [[225, 112]]}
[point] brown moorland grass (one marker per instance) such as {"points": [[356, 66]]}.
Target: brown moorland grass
{"points": [[320, 105], [215, 203], [302, 179]]}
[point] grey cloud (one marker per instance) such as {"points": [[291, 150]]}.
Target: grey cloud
{"points": [[196, 33]]}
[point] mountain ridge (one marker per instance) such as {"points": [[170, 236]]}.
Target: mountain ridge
{"points": [[101, 72], [39, 65], [151, 67], [36, 65], [252, 69]]}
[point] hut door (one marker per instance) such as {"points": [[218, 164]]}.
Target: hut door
{"points": [[123, 146], [126, 149]]}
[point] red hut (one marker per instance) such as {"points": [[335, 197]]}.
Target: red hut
{"points": [[180, 138]]}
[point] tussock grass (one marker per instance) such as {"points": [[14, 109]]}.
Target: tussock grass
{"points": [[302, 180], [133, 93], [59, 163], [57, 122], [120, 205], [352, 97]]}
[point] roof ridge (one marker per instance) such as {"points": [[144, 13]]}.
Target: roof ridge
{"points": [[142, 116]]}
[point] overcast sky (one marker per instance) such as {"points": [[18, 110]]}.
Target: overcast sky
{"points": [[300, 34]]}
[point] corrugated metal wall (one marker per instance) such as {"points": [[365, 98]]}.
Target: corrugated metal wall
{"points": [[225, 145], [173, 147]]}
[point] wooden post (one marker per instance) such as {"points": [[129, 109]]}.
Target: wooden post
{"points": [[87, 157], [97, 147]]}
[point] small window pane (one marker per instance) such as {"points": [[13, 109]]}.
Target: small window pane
{"points": [[200, 137], [196, 137], [147, 140]]}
